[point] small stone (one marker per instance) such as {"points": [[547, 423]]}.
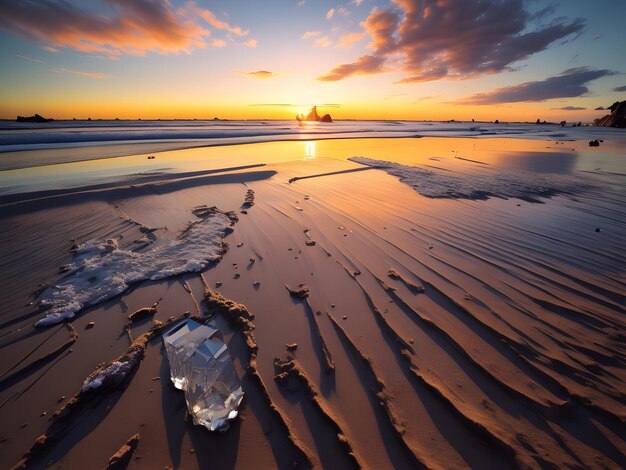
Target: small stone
{"points": [[218, 284], [43, 413], [24, 425], [154, 379], [244, 212], [332, 305], [291, 346], [237, 276], [239, 245], [256, 284], [90, 325], [411, 341], [192, 451], [597, 229], [151, 390], [61, 398], [345, 317]]}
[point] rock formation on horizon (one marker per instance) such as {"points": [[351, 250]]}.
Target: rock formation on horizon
{"points": [[617, 118], [35, 118], [313, 116]]}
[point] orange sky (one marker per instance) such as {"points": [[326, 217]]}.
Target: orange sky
{"points": [[371, 59]]}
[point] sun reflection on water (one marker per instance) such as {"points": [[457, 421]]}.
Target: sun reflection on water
{"points": [[309, 150]]}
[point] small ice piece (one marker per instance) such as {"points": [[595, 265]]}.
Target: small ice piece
{"points": [[213, 392], [181, 342], [201, 366]]}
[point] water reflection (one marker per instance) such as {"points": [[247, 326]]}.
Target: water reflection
{"points": [[309, 150]]}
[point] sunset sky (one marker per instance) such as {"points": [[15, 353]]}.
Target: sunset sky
{"points": [[363, 59]]}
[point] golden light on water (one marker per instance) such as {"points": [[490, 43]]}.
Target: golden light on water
{"points": [[309, 150]]}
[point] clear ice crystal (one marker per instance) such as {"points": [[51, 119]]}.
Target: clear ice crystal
{"points": [[201, 366]]}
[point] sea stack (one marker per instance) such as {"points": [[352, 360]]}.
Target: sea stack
{"points": [[35, 118], [313, 116], [617, 118]]}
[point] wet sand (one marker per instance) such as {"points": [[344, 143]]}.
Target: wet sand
{"points": [[463, 332]]}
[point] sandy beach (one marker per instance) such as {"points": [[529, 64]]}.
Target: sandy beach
{"points": [[465, 303]]}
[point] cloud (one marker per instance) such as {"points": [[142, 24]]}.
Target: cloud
{"points": [[330, 13], [96, 75], [357, 2], [293, 105], [260, 74], [30, 59], [596, 36], [569, 108], [570, 83], [599, 108], [218, 43], [365, 65], [347, 40], [251, 43], [620, 89], [310, 34], [212, 20], [136, 27], [323, 41], [434, 39]]}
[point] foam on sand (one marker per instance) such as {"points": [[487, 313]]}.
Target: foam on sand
{"points": [[101, 270], [521, 185]]}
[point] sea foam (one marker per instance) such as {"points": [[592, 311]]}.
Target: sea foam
{"points": [[520, 185], [101, 270]]}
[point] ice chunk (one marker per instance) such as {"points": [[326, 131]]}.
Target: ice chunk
{"points": [[181, 342], [201, 366]]}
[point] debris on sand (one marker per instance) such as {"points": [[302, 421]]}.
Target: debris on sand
{"points": [[236, 314], [393, 274], [249, 199], [594, 143], [301, 292], [310, 243], [291, 346], [240, 319], [143, 312], [106, 378], [290, 375], [121, 458]]}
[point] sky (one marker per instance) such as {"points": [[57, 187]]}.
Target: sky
{"points": [[511, 60]]}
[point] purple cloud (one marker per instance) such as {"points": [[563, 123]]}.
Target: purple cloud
{"points": [[569, 108], [365, 65], [620, 88], [136, 28], [570, 83], [436, 39]]}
